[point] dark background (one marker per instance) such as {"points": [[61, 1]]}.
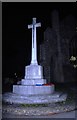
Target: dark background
{"points": [[16, 38]]}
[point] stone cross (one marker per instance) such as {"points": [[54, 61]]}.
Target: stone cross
{"points": [[34, 42]]}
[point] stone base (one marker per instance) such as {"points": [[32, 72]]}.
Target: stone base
{"points": [[34, 99], [33, 71], [33, 90], [33, 81]]}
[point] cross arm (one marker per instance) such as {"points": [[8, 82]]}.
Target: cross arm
{"points": [[36, 25], [30, 26]]}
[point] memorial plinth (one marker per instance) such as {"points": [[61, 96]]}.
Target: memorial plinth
{"points": [[33, 88], [33, 75], [33, 82]]}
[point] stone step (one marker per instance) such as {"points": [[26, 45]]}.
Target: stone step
{"points": [[33, 90], [33, 81], [56, 94], [33, 99]]}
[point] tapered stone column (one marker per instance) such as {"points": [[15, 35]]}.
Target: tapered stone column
{"points": [[34, 42]]}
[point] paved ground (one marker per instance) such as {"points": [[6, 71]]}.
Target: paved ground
{"points": [[71, 114]]}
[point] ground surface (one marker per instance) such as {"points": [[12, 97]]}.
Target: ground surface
{"points": [[36, 110], [71, 114]]}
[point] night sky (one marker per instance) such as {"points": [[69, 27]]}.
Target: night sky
{"points": [[16, 37]]}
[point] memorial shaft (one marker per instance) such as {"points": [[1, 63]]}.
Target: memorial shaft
{"points": [[34, 41]]}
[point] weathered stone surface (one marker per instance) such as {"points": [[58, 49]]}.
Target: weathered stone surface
{"points": [[34, 99], [33, 81], [33, 90], [33, 71]]}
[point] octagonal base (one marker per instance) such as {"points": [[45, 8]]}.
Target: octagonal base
{"points": [[34, 99], [33, 90]]}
